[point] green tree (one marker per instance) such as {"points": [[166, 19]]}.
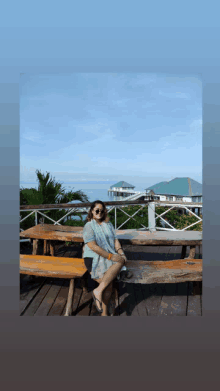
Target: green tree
{"points": [[173, 217], [49, 191], [179, 221]]}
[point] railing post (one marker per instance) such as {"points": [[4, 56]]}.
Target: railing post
{"points": [[35, 217], [115, 217], [151, 216]]}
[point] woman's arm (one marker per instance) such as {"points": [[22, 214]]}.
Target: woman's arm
{"points": [[118, 247], [98, 250], [119, 250]]}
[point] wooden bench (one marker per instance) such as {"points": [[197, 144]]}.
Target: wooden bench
{"points": [[144, 272], [58, 267], [179, 270]]}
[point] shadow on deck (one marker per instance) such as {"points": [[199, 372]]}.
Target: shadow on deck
{"points": [[40, 296]]}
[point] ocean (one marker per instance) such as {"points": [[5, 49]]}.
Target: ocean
{"points": [[93, 191]]}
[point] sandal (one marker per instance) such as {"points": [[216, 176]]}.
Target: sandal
{"points": [[125, 275], [95, 300]]}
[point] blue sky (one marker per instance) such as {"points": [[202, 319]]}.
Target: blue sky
{"points": [[137, 127]]}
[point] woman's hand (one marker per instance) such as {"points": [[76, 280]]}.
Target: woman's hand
{"points": [[124, 256], [116, 258]]}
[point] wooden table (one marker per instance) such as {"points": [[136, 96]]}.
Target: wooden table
{"points": [[50, 233], [184, 269]]}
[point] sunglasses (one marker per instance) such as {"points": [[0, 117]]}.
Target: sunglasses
{"points": [[97, 211]]}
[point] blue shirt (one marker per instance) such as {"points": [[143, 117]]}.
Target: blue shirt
{"points": [[104, 236]]}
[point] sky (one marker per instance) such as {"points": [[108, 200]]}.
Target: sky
{"points": [[107, 127]]}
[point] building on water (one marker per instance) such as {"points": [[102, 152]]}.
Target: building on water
{"points": [[178, 189], [121, 188]]}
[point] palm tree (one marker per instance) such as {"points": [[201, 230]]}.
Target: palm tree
{"points": [[49, 191]]}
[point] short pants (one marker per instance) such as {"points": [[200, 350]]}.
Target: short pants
{"points": [[88, 263]]}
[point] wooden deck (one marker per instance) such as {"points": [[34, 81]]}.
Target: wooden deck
{"points": [[40, 296]]}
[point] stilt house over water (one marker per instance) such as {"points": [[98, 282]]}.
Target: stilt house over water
{"points": [[178, 189], [122, 188]]}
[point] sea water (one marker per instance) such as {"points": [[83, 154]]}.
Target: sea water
{"points": [[93, 191]]}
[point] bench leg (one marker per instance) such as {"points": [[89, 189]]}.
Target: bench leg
{"points": [[70, 299], [35, 246]]}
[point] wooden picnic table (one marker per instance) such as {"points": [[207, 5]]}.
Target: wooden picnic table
{"points": [[181, 270], [50, 233]]}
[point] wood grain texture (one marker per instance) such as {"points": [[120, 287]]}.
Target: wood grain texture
{"points": [[29, 294], [125, 298], [49, 293], [192, 252], [59, 304], [53, 286], [152, 297], [35, 246], [180, 270], [45, 247], [51, 248], [107, 203], [76, 297], [174, 300], [70, 298], [194, 307], [140, 306], [33, 291], [47, 266], [129, 236], [81, 205], [85, 303]]}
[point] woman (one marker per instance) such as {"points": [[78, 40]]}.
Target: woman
{"points": [[103, 255]]}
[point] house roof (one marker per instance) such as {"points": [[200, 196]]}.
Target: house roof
{"points": [[178, 186], [123, 184]]}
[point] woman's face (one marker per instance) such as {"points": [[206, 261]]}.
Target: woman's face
{"points": [[97, 212]]}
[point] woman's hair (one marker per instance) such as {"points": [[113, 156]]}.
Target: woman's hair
{"points": [[105, 214]]}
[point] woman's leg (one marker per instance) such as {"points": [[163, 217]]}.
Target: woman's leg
{"points": [[106, 297], [108, 277]]}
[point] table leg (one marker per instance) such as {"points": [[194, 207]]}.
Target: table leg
{"points": [[70, 299], [35, 246], [183, 254], [192, 252], [52, 248], [46, 247]]}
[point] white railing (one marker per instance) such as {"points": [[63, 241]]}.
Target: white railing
{"points": [[152, 215]]}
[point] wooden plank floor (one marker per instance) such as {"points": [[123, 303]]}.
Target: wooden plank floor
{"points": [[40, 296]]}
